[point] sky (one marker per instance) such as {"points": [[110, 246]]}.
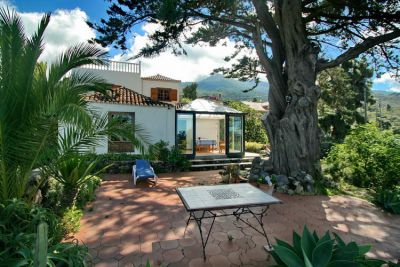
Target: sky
{"points": [[68, 27]]}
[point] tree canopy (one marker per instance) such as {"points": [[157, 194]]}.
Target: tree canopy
{"points": [[341, 30], [190, 91], [289, 41], [344, 90]]}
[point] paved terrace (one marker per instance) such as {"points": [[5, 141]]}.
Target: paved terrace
{"points": [[127, 225]]}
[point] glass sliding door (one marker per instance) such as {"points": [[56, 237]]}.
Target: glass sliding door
{"points": [[209, 136], [235, 134], [184, 133]]}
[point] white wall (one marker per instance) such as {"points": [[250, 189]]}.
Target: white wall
{"points": [[158, 122], [148, 84], [207, 129], [127, 79]]}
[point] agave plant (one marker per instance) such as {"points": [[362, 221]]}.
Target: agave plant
{"points": [[36, 99], [310, 250]]}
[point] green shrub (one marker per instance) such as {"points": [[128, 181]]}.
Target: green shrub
{"points": [[52, 199], [17, 217], [106, 159], [254, 127], [18, 226], [368, 157], [389, 200], [165, 159], [70, 220], [53, 195], [311, 250], [87, 192], [159, 151], [162, 158], [255, 147]]}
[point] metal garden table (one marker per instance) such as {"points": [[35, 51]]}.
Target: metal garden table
{"points": [[204, 202]]}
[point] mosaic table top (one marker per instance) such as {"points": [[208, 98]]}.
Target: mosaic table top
{"points": [[224, 197]]}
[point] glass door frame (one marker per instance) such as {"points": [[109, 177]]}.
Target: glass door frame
{"points": [[227, 116], [227, 135]]}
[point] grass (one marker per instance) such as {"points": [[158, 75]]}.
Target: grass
{"points": [[351, 190]]}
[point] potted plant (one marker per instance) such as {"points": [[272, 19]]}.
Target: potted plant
{"points": [[231, 174], [225, 175], [266, 184]]}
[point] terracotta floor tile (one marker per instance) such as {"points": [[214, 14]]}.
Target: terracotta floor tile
{"points": [[199, 262], [219, 261], [106, 253], [173, 255], [141, 222]]}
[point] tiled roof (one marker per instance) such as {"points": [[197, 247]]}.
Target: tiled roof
{"points": [[160, 77], [122, 95]]}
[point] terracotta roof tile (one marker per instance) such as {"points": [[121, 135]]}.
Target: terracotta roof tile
{"points": [[160, 77], [122, 95]]}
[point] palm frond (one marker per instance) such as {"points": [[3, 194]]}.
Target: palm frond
{"points": [[76, 56]]}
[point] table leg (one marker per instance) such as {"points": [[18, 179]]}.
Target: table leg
{"points": [[199, 220], [258, 217]]}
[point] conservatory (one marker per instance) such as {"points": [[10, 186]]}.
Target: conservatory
{"points": [[209, 129]]}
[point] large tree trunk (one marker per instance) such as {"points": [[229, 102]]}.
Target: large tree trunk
{"points": [[292, 122], [294, 136]]}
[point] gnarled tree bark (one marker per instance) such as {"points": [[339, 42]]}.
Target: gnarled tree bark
{"points": [[292, 122]]}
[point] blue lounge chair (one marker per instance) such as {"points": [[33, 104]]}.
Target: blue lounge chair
{"points": [[143, 170]]}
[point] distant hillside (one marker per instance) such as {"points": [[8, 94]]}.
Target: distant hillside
{"points": [[230, 89], [386, 97]]}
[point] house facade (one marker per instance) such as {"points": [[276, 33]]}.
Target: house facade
{"points": [[201, 128]]}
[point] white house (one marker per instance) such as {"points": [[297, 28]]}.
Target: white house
{"points": [[200, 128]]}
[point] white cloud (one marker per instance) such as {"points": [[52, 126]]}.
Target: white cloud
{"points": [[388, 81], [387, 77], [200, 61], [6, 3], [66, 28]]}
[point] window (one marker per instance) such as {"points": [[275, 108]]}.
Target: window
{"points": [[117, 143], [163, 94]]}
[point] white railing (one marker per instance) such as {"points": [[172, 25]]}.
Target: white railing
{"points": [[116, 66]]}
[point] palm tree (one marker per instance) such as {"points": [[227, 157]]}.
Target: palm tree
{"points": [[36, 99]]}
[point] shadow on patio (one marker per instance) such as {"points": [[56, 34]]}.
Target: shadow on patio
{"points": [[129, 225]]}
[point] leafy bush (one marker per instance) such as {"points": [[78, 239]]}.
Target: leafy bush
{"points": [[73, 173], [87, 192], [18, 225], [52, 196], [254, 128], [70, 220], [159, 151], [52, 199], [389, 200], [255, 147], [165, 159], [368, 157], [311, 250], [109, 158]]}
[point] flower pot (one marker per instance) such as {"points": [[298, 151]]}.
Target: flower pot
{"points": [[269, 189]]}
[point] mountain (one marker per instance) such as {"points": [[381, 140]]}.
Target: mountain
{"points": [[386, 97], [230, 89]]}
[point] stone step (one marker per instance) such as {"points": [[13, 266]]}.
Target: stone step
{"points": [[216, 166], [221, 160]]}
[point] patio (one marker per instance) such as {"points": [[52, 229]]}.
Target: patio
{"points": [[127, 225]]}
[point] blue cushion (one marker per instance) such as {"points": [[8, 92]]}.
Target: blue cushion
{"points": [[143, 169]]}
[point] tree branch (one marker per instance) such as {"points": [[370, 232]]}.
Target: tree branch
{"points": [[223, 20], [269, 26], [356, 50]]}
